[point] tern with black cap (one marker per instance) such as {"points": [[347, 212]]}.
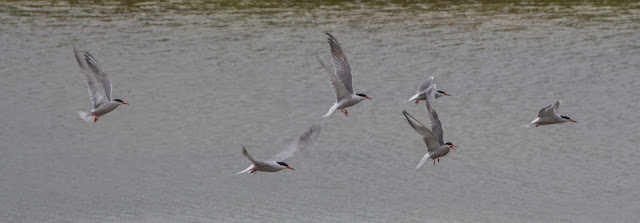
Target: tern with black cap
{"points": [[276, 163], [436, 147], [549, 115], [99, 87], [341, 80], [421, 95]]}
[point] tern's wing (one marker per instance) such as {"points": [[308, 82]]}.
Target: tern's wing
{"points": [[252, 160], [423, 88], [249, 157], [98, 81], [436, 126], [555, 107], [340, 63], [338, 88], [427, 136], [304, 141], [550, 110]]}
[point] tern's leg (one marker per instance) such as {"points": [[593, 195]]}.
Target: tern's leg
{"points": [[417, 101], [96, 118], [537, 124], [434, 162], [252, 172], [438, 160], [344, 111]]}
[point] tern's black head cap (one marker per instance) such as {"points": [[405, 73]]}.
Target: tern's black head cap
{"points": [[362, 95], [441, 92], [282, 163], [449, 143], [565, 117], [118, 100]]}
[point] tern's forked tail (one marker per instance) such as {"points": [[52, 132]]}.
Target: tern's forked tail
{"points": [[247, 170], [409, 100], [413, 98], [86, 116], [423, 160], [527, 126], [331, 110], [532, 123]]}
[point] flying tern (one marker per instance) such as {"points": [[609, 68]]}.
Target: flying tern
{"points": [[549, 115], [436, 147], [99, 87], [276, 163], [422, 90], [341, 79]]}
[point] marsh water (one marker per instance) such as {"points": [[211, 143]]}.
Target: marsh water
{"points": [[205, 78]]}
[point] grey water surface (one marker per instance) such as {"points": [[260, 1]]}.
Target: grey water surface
{"points": [[205, 78]]}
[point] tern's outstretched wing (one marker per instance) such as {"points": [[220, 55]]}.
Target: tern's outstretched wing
{"points": [[423, 88], [549, 110], [338, 88], [427, 135], [98, 82], [249, 157], [340, 63], [303, 142], [436, 126]]}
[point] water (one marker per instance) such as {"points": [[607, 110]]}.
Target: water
{"points": [[205, 78]]}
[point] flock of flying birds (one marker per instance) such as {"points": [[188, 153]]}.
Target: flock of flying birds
{"points": [[341, 82]]}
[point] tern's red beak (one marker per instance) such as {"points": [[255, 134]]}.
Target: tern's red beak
{"points": [[447, 94], [125, 103], [290, 168], [369, 98], [453, 147], [571, 120]]}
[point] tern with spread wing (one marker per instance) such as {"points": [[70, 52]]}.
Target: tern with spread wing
{"points": [[549, 115], [436, 147], [99, 87], [341, 79], [421, 95], [276, 163]]}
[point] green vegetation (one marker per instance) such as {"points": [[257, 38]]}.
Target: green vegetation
{"points": [[276, 6]]}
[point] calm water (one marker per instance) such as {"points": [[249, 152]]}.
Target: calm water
{"points": [[205, 78]]}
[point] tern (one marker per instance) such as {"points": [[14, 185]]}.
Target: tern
{"points": [[341, 79], [276, 163], [436, 147], [422, 90], [99, 87], [549, 115]]}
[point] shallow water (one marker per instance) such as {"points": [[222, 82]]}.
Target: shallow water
{"points": [[205, 78]]}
